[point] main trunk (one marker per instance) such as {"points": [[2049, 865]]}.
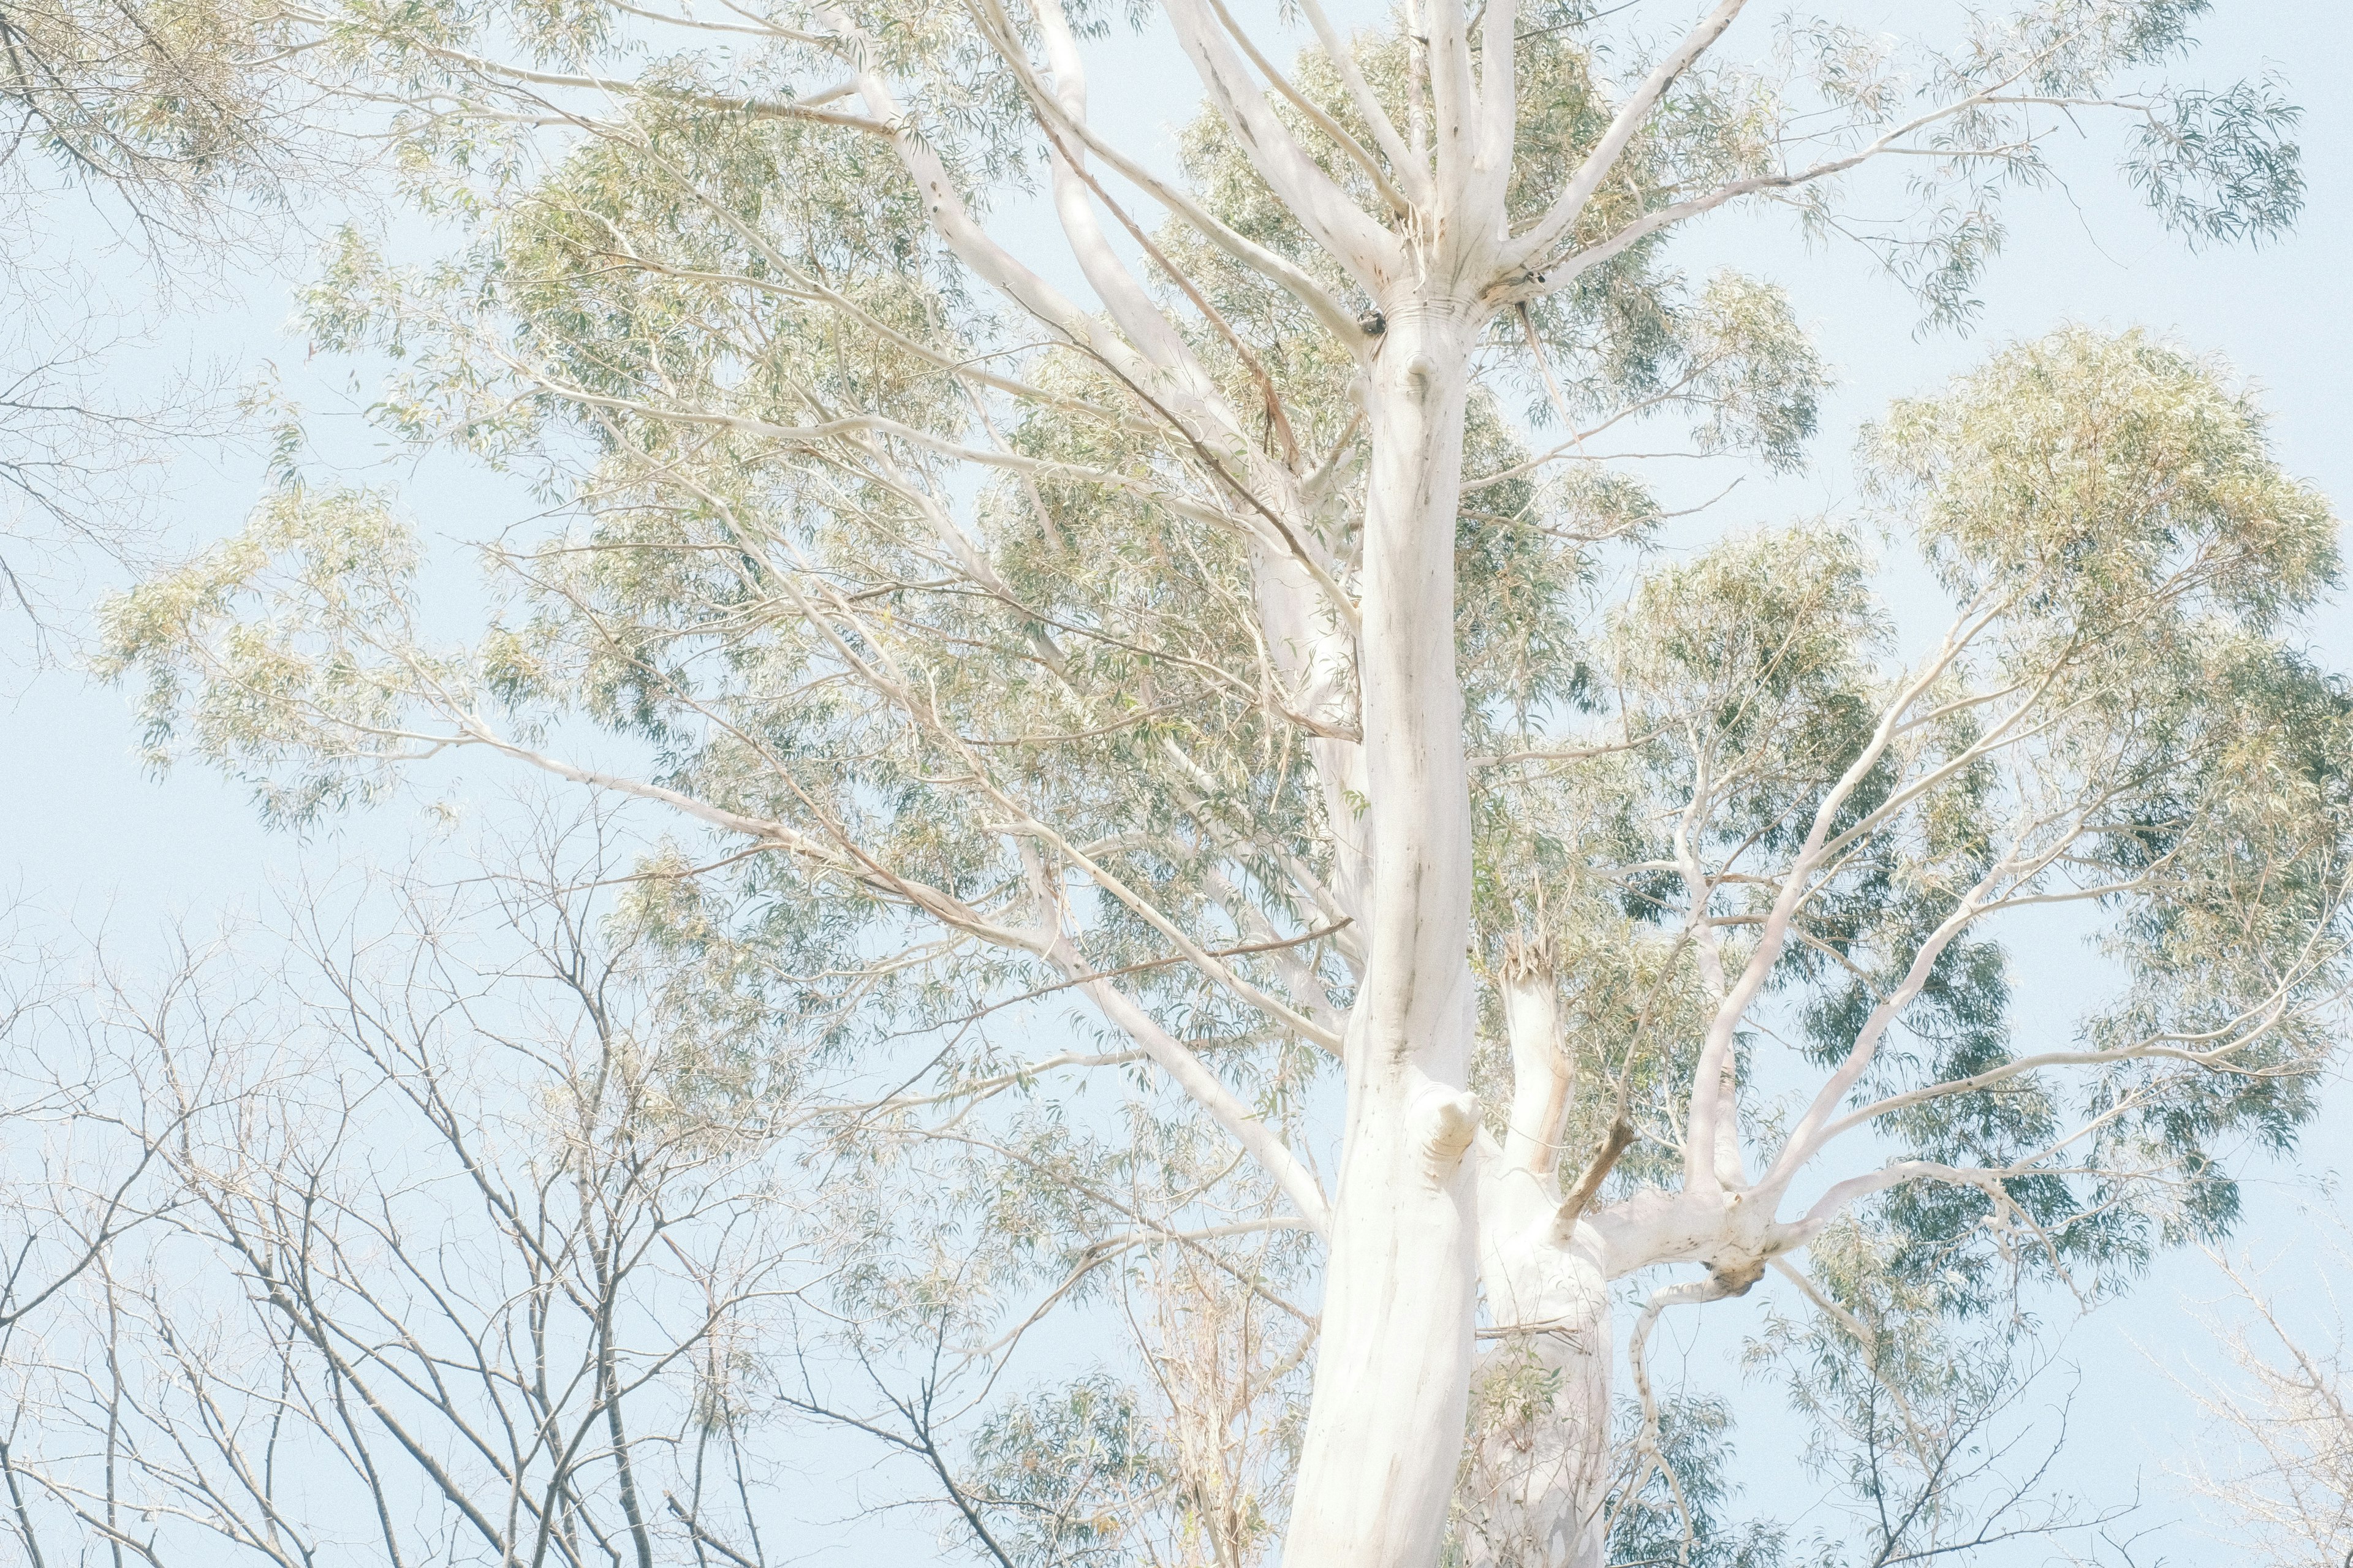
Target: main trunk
{"points": [[1393, 1358]]}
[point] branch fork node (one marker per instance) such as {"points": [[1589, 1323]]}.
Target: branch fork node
{"points": [[1736, 1277]]}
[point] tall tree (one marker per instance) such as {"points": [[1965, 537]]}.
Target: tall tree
{"points": [[1221, 655]]}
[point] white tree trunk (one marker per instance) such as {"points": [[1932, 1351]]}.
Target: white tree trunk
{"points": [[1537, 1474], [1533, 1489], [1393, 1360]]}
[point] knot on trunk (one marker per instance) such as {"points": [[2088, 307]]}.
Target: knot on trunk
{"points": [[1443, 1125]]}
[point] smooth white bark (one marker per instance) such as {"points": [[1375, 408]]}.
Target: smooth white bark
{"points": [[1393, 1360], [1542, 1079], [1539, 1465]]}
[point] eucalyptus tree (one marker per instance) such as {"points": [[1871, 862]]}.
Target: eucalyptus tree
{"points": [[161, 102], [168, 133], [1217, 649]]}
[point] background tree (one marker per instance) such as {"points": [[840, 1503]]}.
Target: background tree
{"points": [[1222, 656], [454, 1236], [2279, 1463]]}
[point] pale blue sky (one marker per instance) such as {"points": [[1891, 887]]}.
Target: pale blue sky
{"points": [[88, 830]]}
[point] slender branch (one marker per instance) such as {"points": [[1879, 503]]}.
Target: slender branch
{"points": [[1631, 117]]}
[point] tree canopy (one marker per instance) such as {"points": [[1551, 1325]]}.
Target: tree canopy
{"points": [[1204, 793]]}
